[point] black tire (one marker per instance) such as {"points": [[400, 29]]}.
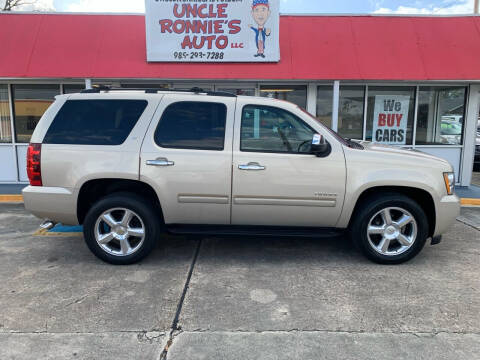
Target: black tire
{"points": [[144, 210], [369, 208]]}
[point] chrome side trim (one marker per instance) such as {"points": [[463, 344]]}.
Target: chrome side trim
{"points": [[203, 199], [274, 201]]}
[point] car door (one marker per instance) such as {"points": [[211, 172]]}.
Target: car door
{"points": [[276, 180], [187, 158]]}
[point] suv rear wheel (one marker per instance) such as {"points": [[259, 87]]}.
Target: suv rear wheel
{"points": [[122, 228], [389, 228]]}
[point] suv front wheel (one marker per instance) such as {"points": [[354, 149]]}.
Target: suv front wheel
{"points": [[389, 228], [121, 228]]}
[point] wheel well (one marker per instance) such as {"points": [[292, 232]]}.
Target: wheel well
{"points": [[421, 197], [94, 190]]}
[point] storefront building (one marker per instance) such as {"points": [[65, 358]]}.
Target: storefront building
{"points": [[345, 70]]}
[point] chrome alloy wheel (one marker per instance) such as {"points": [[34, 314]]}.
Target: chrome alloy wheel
{"points": [[392, 231], [120, 232]]}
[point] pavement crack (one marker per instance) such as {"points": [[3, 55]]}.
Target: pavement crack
{"points": [[465, 222], [77, 301], [176, 329], [43, 332], [352, 332], [150, 336]]}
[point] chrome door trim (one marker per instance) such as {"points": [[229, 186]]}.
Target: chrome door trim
{"points": [[160, 162], [252, 166]]}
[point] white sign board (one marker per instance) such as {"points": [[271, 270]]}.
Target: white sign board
{"points": [[213, 30], [390, 119]]}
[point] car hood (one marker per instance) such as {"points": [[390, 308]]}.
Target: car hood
{"points": [[415, 155]]}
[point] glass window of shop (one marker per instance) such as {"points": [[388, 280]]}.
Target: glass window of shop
{"points": [[325, 104], [145, 86], [73, 88], [30, 102], [391, 114], [296, 94], [5, 125], [238, 91], [350, 112], [441, 113]]}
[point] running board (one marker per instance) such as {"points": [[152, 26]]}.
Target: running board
{"points": [[268, 231]]}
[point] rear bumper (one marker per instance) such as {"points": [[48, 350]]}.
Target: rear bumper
{"points": [[447, 212], [53, 203]]}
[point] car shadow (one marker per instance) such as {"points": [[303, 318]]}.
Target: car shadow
{"points": [[252, 250]]}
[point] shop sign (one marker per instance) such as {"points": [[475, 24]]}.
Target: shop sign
{"points": [[390, 119], [212, 30]]}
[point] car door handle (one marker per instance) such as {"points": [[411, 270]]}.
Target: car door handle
{"points": [[253, 166], [160, 162]]}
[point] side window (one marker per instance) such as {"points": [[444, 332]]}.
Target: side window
{"points": [[269, 129], [192, 125], [95, 122]]}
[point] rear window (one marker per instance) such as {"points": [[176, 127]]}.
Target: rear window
{"points": [[192, 125], [95, 122]]}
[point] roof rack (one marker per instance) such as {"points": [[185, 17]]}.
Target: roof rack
{"points": [[196, 90]]}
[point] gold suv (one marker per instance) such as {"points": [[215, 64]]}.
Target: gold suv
{"points": [[132, 165]]}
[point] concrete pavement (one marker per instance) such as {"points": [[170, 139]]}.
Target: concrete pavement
{"points": [[307, 345], [58, 301], [251, 298]]}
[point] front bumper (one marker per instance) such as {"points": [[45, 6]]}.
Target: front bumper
{"points": [[448, 210], [53, 203]]}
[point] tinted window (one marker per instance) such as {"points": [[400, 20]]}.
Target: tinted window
{"points": [[269, 129], [192, 125], [95, 122]]}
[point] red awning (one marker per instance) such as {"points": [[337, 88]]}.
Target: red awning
{"points": [[312, 48]]}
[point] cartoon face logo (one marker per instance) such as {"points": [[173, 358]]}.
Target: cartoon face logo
{"points": [[260, 12]]}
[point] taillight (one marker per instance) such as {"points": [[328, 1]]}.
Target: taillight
{"points": [[34, 169]]}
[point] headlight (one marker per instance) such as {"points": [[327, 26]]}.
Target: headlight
{"points": [[449, 182]]}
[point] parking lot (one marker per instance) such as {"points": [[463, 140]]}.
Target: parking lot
{"points": [[250, 298]]}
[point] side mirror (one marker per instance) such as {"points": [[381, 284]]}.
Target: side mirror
{"points": [[320, 146]]}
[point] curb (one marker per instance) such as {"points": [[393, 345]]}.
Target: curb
{"points": [[11, 198], [470, 202]]}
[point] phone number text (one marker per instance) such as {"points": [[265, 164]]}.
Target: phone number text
{"points": [[210, 55]]}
